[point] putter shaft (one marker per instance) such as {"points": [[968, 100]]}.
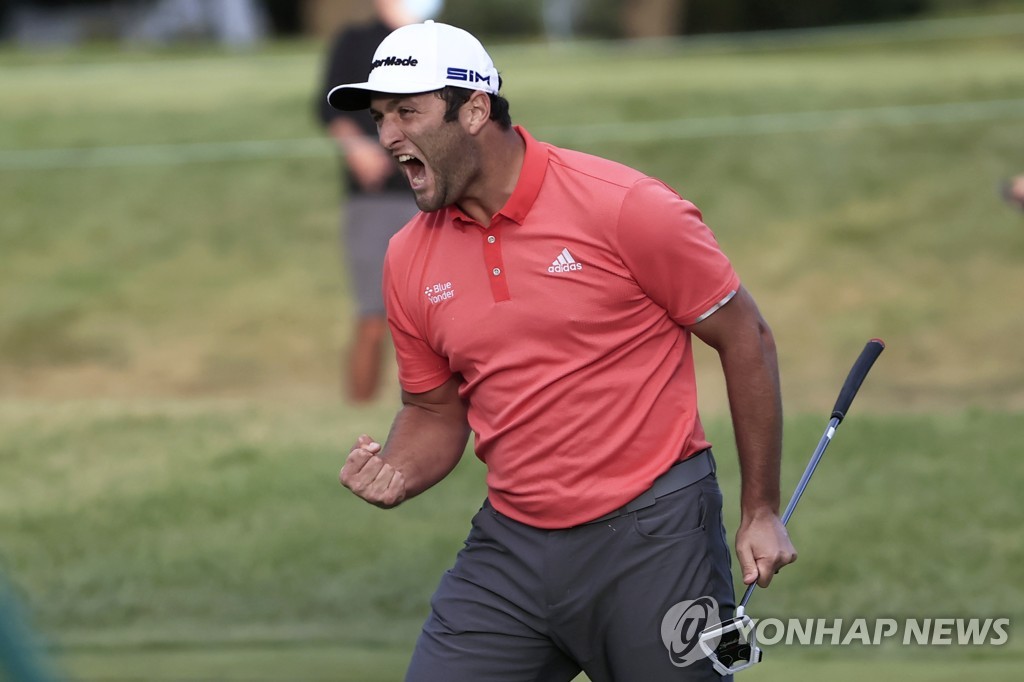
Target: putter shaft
{"points": [[826, 438]]}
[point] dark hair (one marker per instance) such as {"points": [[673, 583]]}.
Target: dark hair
{"points": [[455, 97]]}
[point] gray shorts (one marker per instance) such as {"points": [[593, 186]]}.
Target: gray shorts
{"points": [[368, 223], [523, 603]]}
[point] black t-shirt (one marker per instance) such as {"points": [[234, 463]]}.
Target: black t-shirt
{"points": [[349, 62]]}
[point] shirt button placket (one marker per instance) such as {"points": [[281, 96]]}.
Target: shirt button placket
{"points": [[492, 257], [491, 241]]}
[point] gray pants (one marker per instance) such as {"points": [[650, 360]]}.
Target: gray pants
{"points": [[369, 222], [524, 604]]}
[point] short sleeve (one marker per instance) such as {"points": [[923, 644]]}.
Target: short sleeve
{"points": [[672, 254], [420, 369]]}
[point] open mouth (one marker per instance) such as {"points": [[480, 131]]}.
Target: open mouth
{"points": [[415, 170]]}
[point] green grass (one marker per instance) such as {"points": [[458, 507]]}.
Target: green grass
{"points": [[230, 540], [170, 432], [340, 664], [222, 277]]}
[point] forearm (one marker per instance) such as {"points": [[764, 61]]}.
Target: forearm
{"points": [[425, 444], [426, 441], [752, 381], [747, 350], [347, 134]]}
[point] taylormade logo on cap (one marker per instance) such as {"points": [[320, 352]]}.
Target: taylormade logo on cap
{"points": [[421, 58], [393, 61]]}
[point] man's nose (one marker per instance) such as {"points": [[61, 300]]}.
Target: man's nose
{"points": [[388, 133]]}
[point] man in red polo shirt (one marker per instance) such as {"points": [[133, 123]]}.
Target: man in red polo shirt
{"points": [[546, 300]]}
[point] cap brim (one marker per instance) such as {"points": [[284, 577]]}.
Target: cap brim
{"points": [[356, 96], [350, 97]]}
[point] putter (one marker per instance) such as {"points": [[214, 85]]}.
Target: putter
{"points": [[732, 645]]}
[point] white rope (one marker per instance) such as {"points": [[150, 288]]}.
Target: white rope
{"points": [[676, 129]]}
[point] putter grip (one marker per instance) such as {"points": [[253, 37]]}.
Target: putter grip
{"points": [[856, 376]]}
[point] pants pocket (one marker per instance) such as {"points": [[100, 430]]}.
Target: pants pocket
{"points": [[681, 514]]}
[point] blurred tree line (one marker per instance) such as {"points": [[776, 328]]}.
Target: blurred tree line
{"points": [[649, 18], [585, 18]]}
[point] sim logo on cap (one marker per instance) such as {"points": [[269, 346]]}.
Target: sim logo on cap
{"points": [[468, 75]]}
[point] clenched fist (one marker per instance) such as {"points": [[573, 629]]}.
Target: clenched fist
{"points": [[370, 477]]}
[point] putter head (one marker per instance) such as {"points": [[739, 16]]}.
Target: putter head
{"points": [[731, 645]]}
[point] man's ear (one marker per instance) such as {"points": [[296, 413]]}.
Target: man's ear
{"points": [[476, 112]]}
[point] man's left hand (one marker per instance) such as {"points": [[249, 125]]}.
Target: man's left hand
{"points": [[763, 547]]}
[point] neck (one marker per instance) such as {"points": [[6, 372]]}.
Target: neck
{"points": [[501, 164]]}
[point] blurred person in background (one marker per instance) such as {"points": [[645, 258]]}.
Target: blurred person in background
{"points": [[547, 301], [377, 197], [1013, 192], [560, 18], [65, 22], [22, 656], [231, 22]]}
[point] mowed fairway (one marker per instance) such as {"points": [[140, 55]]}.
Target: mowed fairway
{"points": [[172, 308]]}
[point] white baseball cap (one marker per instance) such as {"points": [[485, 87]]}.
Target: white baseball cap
{"points": [[421, 58]]}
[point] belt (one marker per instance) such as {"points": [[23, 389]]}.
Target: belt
{"points": [[681, 475]]}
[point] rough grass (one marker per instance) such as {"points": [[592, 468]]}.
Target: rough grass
{"points": [[206, 532], [170, 431], [223, 277]]}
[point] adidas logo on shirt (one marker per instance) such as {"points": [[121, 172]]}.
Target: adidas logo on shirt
{"points": [[565, 263]]}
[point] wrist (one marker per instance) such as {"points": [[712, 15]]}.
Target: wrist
{"points": [[353, 143], [758, 512]]}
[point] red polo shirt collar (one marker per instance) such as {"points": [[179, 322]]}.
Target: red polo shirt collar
{"points": [[531, 177]]}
